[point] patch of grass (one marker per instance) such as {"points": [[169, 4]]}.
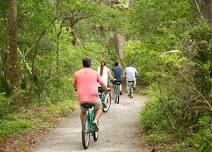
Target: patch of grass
{"points": [[8, 127], [158, 139], [34, 117]]}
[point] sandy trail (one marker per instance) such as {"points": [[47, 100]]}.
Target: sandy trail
{"points": [[119, 130]]}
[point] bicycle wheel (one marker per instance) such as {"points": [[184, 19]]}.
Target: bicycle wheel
{"points": [[106, 103], [131, 90], [85, 132], [117, 95]]}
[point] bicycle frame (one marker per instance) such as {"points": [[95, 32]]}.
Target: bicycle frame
{"points": [[91, 115], [102, 94], [87, 127], [117, 91], [130, 85]]}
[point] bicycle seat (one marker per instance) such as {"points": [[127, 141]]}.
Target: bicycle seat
{"points": [[117, 82], [88, 105]]}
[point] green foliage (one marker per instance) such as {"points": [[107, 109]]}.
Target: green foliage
{"points": [[48, 58], [174, 57], [200, 141], [165, 40], [14, 126], [151, 117], [34, 117]]}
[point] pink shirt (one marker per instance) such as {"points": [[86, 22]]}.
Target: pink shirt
{"points": [[86, 81]]}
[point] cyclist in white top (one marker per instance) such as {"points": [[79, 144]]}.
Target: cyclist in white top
{"points": [[105, 73], [130, 73]]}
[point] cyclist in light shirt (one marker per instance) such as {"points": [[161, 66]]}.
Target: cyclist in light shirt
{"points": [[130, 73], [105, 73]]}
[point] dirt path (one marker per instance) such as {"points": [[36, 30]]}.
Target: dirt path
{"points": [[119, 131]]}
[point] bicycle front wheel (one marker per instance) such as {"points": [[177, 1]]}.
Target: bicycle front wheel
{"points": [[85, 132], [106, 103], [117, 94]]}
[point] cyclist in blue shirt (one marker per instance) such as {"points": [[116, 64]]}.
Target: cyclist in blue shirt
{"points": [[118, 71]]}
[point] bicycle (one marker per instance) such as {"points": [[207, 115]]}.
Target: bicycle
{"points": [[87, 125], [131, 90], [117, 91], [105, 104]]}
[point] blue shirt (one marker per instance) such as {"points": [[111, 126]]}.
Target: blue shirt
{"points": [[117, 72]]}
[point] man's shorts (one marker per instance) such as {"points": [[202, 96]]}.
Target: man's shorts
{"points": [[97, 104], [117, 82], [128, 82]]}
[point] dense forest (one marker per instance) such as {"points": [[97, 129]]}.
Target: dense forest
{"points": [[169, 41]]}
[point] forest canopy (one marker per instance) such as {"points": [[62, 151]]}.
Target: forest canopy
{"points": [[42, 44]]}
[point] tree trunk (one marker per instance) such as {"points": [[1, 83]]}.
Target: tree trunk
{"points": [[75, 40], [119, 38], [206, 9], [13, 61], [130, 3]]}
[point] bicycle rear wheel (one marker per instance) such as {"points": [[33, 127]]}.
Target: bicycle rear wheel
{"points": [[118, 98], [85, 132], [131, 91], [117, 95], [107, 103]]}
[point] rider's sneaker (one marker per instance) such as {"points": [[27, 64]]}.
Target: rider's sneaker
{"points": [[95, 126], [120, 92]]}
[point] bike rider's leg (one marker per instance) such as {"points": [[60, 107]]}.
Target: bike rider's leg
{"points": [[120, 88], [97, 115], [98, 106], [134, 84], [127, 87], [82, 115], [112, 90]]}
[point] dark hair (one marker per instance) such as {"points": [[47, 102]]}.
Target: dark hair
{"points": [[103, 63], [86, 61], [130, 64], [116, 63]]}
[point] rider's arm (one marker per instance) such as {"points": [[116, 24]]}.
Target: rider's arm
{"points": [[74, 83], [110, 74], [99, 80], [136, 72], [104, 86]]}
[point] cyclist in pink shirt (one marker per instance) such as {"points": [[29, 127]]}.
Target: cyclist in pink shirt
{"points": [[86, 83]]}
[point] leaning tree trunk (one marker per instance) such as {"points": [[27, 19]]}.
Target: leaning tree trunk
{"points": [[206, 9], [119, 36], [119, 39], [13, 61], [130, 3]]}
